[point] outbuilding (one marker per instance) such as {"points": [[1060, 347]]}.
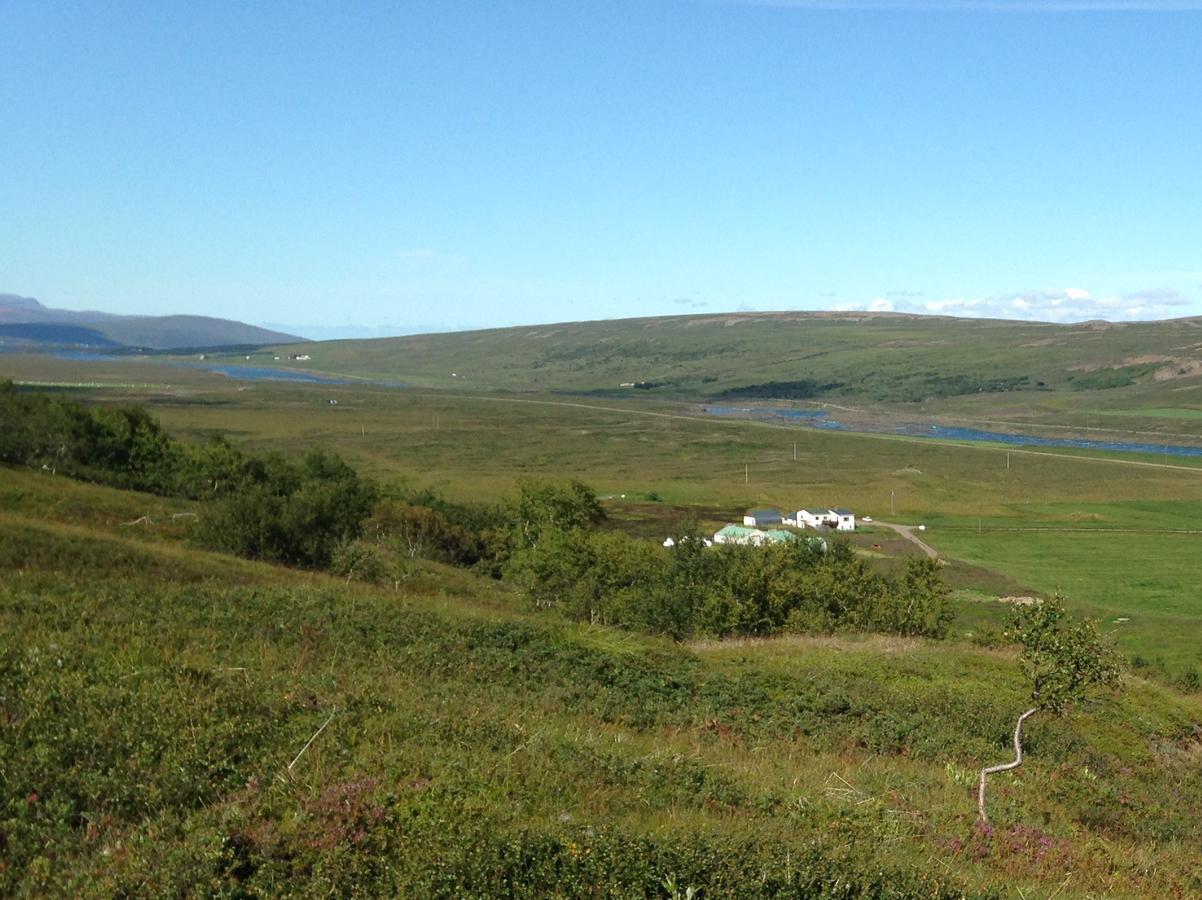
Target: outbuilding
{"points": [[739, 534], [845, 519], [755, 517]]}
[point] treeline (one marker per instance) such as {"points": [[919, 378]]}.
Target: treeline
{"points": [[546, 539], [805, 585], [316, 511], [802, 389], [263, 506]]}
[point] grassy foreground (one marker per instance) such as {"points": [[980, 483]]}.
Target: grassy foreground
{"points": [[175, 722]]}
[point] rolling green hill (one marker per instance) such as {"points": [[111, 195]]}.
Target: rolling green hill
{"points": [[176, 722], [864, 356]]}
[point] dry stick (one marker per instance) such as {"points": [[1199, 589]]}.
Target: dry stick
{"points": [[1018, 759], [311, 740], [138, 521]]}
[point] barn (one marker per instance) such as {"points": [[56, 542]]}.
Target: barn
{"points": [[757, 517]]}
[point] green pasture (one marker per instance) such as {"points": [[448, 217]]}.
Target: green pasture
{"points": [[477, 446], [1143, 585], [1155, 412], [670, 462]]}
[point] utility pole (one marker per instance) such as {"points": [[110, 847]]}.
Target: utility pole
{"points": [[892, 508], [1007, 459], [745, 475], [795, 451]]}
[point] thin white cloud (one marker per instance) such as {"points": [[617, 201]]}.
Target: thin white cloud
{"points": [[877, 304], [1059, 305], [1162, 296]]}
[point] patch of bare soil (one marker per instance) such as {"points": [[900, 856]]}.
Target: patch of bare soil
{"points": [[1179, 369], [1145, 359], [1020, 601]]}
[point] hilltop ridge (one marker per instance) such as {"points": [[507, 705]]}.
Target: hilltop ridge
{"points": [[27, 323], [884, 357]]}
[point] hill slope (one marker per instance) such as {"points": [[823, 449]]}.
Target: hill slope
{"points": [[176, 722], [101, 330], [869, 357]]}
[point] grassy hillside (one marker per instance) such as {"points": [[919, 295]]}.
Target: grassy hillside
{"points": [[1011, 521], [178, 722], [868, 358]]}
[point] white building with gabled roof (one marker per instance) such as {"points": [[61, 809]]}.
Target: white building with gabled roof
{"points": [[839, 519]]}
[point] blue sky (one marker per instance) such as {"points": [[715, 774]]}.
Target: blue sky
{"points": [[415, 166]]}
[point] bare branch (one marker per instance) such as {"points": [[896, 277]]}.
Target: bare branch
{"points": [[311, 740], [1005, 767]]}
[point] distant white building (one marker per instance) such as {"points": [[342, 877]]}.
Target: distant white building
{"points": [[813, 517], [845, 519], [822, 517]]}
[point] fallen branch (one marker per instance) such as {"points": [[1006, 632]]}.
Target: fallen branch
{"points": [[311, 740], [183, 515], [139, 521], [1005, 767]]}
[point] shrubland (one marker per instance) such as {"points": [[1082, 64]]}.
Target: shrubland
{"points": [[418, 716], [317, 511], [174, 721]]}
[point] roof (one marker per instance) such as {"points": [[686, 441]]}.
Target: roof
{"points": [[763, 512], [819, 510], [738, 531], [840, 511], [780, 536]]}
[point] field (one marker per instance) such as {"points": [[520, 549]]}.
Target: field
{"points": [[1116, 533], [466, 742]]}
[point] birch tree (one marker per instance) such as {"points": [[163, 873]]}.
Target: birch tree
{"points": [[1064, 659]]}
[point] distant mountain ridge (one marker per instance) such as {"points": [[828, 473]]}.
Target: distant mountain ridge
{"points": [[94, 329]]}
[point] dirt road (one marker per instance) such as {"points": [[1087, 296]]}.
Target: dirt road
{"points": [[907, 531]]}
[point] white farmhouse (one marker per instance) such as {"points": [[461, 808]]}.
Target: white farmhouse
{"points": [[823, 517], [813, 517]]}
